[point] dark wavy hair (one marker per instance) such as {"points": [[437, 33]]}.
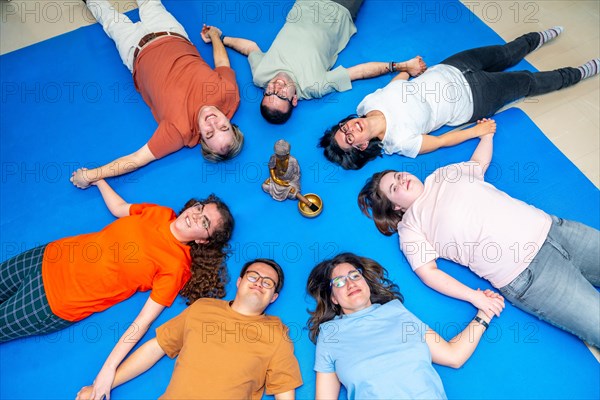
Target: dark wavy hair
{"points": [[270, 263], [275, 116], [318, 287], [375, 205], [353, 158], [209, 271]]}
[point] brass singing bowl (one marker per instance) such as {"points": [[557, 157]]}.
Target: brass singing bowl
{"points": [[306, 211]]}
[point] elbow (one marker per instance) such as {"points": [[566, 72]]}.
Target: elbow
{"points": [[457, 363]]}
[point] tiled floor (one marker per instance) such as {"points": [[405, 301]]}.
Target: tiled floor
{"points": [[570, 118]]}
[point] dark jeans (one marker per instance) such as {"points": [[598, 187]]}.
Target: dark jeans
{"points": [[352, 5], [492, 88]]}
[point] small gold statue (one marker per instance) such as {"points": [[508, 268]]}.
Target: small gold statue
{"points": [[284, 180]]}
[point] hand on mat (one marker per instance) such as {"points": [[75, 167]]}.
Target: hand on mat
{"points": [[79, 178], [208, 31], [484, 127], [489, 302]]}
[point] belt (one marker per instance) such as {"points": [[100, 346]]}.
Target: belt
{"points": [[150, 37]]}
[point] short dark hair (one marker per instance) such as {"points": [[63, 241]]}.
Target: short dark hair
{"points": [[275, 116], [353, 158], [270, 263]]}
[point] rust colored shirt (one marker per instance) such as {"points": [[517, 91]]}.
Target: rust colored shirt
{"points": [[176, 82]]}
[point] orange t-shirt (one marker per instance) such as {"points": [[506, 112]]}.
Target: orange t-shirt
{"points": [[176, 82], [88, 273], [226, 355]]}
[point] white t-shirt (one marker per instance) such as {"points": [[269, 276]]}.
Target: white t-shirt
{"points": [[461, 218], [441, 96]]}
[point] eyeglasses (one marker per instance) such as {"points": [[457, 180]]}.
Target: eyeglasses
{"points": [[267, 94], [349, 136], [266, 282], [204, 221], [340, 281]]}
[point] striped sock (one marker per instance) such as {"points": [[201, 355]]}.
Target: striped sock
{"points": [[549, 34], [590, 68]]}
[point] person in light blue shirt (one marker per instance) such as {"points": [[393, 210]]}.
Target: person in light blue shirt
{"points": [[370, 343]]}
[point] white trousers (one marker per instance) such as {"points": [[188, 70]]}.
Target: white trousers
{"points": [[126, 34]]}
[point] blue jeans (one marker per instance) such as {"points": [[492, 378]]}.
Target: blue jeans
{"points": [[492, 88], [558, 285]]}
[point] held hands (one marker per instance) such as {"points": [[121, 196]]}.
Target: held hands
{"points": [[81, 178], [485, 128], [488, 302], [101, 387], [208, 33], [88, 393]]}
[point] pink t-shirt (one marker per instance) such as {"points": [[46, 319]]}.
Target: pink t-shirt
{"points": [[461, 218]]}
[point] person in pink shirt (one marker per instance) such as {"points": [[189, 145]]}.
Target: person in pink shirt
{"points": [[545, 265]]}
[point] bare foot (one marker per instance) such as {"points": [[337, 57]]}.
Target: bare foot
{"points": [[485, 127], [415, 66]]}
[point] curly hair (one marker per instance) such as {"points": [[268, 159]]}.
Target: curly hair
{"points": [[209, 271], [375, 205], [352, 159], [236, 147], [318, 287]]}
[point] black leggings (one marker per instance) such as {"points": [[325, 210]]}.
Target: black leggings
{"points": [[492, 88]]}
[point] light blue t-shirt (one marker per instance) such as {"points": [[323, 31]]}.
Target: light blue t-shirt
{"points": [[379, 353]]}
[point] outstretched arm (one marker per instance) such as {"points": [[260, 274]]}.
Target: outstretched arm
{"points": [[327, 386], [242, 46], [115, 203], [455, 352], [414, 67], [212, 34], [83, 177], [445, 284], [483, 153], [110, 376], [431, 143]]}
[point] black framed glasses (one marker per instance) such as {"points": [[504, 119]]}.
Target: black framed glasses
{"points": [[204, 221], [340, 281], [265, 281], [267, 94]]}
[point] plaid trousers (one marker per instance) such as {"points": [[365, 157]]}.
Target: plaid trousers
{"points": [[24, 308]]}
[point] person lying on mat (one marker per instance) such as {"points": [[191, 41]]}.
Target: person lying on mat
{"points": [[465, 87], [298, 64], [191, 102], [543, 264], [225, 350], [370, 343], [148, 247]]}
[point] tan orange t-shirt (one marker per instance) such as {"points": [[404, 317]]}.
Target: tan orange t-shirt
{"points": [[88, 273], [227, 355], [176, 82]]}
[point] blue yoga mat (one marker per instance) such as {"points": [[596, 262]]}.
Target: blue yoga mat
{"points": [[69, 102]]}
